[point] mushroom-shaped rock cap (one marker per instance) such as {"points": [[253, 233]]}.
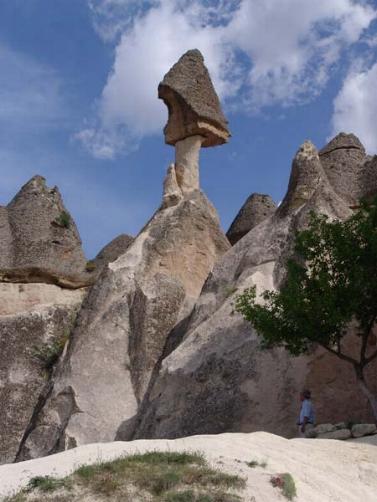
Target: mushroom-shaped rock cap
{"points": [[194, 107]]}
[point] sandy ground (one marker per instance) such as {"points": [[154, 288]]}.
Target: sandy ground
{"points": [[323, 470]]}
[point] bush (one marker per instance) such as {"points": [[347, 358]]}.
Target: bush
{"points": [[286, 483], [90, 266], [64, 220], [49, 353]]}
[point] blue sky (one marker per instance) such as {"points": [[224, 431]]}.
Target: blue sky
{"points": [[78, 96]]}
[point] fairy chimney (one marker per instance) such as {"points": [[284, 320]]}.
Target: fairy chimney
{"points": [[195, 116]]}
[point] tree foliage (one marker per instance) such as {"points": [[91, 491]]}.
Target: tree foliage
{"points": [[330, 283]]}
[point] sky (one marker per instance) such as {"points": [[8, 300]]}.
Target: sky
{"points": [[79, 106]]}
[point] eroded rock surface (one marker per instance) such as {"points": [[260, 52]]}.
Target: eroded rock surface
{"points": [[123, 326], [343, 160], [39, 241], [256, 209], [218, 379], [35, 322], [110, 252]]}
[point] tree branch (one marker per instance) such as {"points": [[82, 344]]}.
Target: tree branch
{"points": [[349, 359], [370, 358], [363, 359]]}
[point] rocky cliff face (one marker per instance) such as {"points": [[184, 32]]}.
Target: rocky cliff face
{"points": [[124, 324], [153, 348], [218, 379], [44, 278]]}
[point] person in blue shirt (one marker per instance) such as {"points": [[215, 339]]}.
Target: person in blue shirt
{"points": [[306, 419]]}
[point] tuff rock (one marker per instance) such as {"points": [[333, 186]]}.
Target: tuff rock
{"points": [[193, 105], [341, 434], [256, 209], [129, 313], [156, 350], [359, 430], [110, 253], [35, 322], [217, 379], [39, 241]]}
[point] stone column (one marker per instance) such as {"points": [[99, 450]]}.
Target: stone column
{"points": [[187, 163]]}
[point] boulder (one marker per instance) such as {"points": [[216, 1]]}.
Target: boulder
{"points": [[324, 428], [359, 430], [39, 239], [255, 210], [341, 425], [35, 323], [193, 105], [335, 434], [217, 378], [124, 324]]}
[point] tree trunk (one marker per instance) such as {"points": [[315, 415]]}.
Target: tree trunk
{"points": [[367, 393]]}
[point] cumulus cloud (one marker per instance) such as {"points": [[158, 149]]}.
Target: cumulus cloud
{"points": [[260, 53], [355, 107]]}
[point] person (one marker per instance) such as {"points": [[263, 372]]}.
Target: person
{"points": [[307, 418]]}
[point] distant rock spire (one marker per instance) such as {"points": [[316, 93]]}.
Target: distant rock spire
{"points": [[256, 209]]}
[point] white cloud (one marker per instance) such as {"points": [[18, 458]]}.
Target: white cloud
{"points": [[259, 52], [293, 43], [355, 107]]}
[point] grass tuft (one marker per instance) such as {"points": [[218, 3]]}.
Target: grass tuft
{"points": [[254, 463], [154, 476], [47, 484]]}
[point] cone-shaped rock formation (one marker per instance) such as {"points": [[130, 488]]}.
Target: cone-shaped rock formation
{"points": [[256, 209], [141, 297], [39, 239], [217, 379]]}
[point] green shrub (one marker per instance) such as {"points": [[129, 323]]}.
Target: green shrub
{"points": [[155, 476], [286, 483], [47, 484], [49, 353], [64, 219], [90, 266]]}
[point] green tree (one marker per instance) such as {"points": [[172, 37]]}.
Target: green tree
{"points": [[330, 289]]}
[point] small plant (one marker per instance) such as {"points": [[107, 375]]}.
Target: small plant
{"points": [[47, 484], [191, 496], [49, 353], [286, 483], [155, 476], [63, 220], [255, 463], [90, 266]]}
